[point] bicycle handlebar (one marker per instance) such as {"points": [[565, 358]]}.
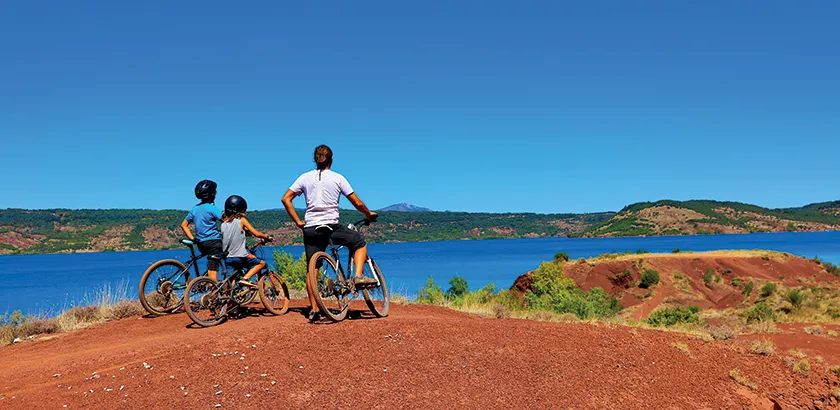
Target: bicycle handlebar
{"points": [[367, 221]]}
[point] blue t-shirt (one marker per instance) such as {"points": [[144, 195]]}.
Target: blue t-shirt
{"points": [[206, 218]]}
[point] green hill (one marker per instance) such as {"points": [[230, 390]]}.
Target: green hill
{"points": [[713, 217]]}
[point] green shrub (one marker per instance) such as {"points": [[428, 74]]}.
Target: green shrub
{"points": [[795, 297], [708, 276], [748, 289], [736, 282], [666, 317], [457, 287], [676, 250], [430, 294], [767, 289], [831, 268], [292, 270], [561, 257], [553, 291], [649, 278], [760, 312]]}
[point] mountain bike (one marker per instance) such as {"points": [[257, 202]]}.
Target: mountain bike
{"points": [[162, 285], [332, 290], [208, 302]]}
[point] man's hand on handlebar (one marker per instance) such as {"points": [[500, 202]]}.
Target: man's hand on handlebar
{"points": [[372, 217]]}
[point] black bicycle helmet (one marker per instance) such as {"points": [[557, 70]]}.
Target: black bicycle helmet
{"points": [[235, 204], [205, 190]]}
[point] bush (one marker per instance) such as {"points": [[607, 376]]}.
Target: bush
{"points": [[795, 298], [85, 314], [292, 270], [666, 317], [124, 309], [831, 268], [708, 276], [649, 278], [736, 282], [767, 289], [676, 250], [553, 291], [760, 312], [430, 294], [748, 289], [561, 257], [457, 287]]}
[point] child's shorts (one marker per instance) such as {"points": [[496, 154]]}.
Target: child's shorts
{"points": [[243, 263]]}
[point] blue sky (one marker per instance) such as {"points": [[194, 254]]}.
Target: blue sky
{"points": [[508, 106]]}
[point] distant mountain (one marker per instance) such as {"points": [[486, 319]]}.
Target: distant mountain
{"points": [[404, 207]]}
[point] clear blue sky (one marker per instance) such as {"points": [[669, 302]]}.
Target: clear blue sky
{"points": [[547, 106]]}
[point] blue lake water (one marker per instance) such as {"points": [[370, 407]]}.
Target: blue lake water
{"points": [[48, 284]]}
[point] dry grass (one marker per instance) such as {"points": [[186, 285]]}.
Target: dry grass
{"points": [[681, 347], [831, 333], [802, 366], [763, 347], [104, 305], [814, 330], [836, 393], [796, 353], [687, 254], [735, 374]]}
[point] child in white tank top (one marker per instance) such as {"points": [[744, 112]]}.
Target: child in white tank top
{"points": [[234, 227]]}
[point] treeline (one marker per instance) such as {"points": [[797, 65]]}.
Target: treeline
{"points": [[63, 230]]}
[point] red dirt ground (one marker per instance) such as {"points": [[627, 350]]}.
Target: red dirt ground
{"points": [[420, 357]]}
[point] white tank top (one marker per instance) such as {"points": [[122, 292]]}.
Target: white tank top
{"points": [[233, 239]]}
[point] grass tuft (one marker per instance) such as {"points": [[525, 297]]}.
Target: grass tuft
{"points": [[735, 374], [681, 347], [802, 366], [763, 347]]}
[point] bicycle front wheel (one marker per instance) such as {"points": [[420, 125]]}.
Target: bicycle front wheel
{"points": [[327, 285], [274, 294], [162, 287], [376, 297], [204, 303]]}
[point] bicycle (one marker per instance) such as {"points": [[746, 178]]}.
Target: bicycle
{"points": [[325, 280], [169, 279], [208, 302]]}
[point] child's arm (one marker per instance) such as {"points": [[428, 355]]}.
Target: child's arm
{"points": [[252, 230], [185, 226]]}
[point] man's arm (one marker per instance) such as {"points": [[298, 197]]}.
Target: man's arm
{"points": [[360, 206], [290, 208], [185, 226]]}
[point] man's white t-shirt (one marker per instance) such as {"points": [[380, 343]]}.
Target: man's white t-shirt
{"points": [[322, 190]]}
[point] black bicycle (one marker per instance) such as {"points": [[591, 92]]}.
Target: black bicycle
{"points": [[208, 302], [163, 284], [332, 290]]}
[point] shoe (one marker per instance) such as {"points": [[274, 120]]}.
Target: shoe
{"points": [[314, 316], [247, 283], [364, 281]]}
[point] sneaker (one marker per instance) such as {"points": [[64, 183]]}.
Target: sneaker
{"points": [[247, 283], [364, 281]]}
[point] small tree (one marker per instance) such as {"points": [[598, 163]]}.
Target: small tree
{"points": [[430, 294], [457, 287], [767, 289], [561, 257]]}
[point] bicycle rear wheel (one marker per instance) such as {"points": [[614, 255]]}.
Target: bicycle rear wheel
{"points": [[274, 294], [326, 283], [162, 286], [204, 303], [376, 297]]}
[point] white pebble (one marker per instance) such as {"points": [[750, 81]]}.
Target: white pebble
{"points": [[218, 392], [248, 396]]}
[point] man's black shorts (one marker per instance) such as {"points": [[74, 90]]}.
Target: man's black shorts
{"points": [[211, 247], [314, 241]]}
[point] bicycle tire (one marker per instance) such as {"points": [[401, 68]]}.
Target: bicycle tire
{"points": [[325, 285], [274, 294], [162, 298], [202, 298], [377, 298]]}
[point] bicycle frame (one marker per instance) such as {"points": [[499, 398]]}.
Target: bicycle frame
{"points": [[335, 249]]}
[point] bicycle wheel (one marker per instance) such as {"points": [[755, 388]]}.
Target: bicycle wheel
{"points": [[243, 295], [162, 286], [377, 298], [204, 303], [326, 284], [274, 294]]}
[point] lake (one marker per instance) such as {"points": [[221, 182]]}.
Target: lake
{"points": [[48, 284]]}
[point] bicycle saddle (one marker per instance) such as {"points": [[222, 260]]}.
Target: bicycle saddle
{"points": [[187, 242]]}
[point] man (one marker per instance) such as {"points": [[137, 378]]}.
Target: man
{"points": [[322, 189]]}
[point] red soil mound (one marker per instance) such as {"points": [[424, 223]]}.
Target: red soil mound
{"points": [[420, 357], [683, 277]]}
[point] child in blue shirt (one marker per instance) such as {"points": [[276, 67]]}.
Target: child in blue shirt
{"points": [[205, 216]]}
